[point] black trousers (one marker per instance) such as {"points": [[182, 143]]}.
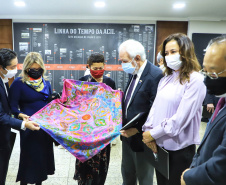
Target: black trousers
{"points": [[12, 140], [178, 161], [5, 153], [4, 163]]}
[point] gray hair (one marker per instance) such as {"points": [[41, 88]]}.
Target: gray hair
{"points": [[133, 48], [218, 40], [159, 56]]}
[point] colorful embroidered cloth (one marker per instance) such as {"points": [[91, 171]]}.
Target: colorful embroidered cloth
{"points": [[86, 118]]}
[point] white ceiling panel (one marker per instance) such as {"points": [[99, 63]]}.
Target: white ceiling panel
{"points": [[115, 10]]}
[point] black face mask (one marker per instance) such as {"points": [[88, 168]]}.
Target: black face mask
{"points": [[215, 86], [35, 73]]}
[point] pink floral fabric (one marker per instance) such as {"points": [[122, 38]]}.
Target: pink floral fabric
{"points": [[86, 118]]}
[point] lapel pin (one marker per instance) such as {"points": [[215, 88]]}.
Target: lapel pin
{"points": [[140, 81]]}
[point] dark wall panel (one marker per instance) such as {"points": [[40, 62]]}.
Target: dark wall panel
{"points": [[65, 47], [201, 41]]}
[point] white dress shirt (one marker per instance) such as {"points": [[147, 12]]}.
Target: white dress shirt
{"points": [[139, 73]]}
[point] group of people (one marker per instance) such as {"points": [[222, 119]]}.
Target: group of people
{"points": [[28, 93], [174, 106], [171, 99]]}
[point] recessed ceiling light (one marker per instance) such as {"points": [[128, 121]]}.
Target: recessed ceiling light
{"points": [[179, 5], [19, 3], [100, 4]]}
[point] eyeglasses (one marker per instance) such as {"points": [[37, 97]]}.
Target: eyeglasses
{"points": [[211, 75]]}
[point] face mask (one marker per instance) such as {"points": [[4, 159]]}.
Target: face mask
{"points": [[35, 74], [128, 67], [173, 61], [97, 73], [10, 73], [216, 86]]}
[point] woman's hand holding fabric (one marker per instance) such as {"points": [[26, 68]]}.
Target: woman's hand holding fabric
{"points": [[24, 117]]}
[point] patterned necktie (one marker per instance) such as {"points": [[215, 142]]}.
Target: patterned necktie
{"points": [[219, 106], [129, 92]]}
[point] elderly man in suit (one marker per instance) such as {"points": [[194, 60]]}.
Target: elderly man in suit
{"points": [[8, 69], [209, 163], [138, 97]]}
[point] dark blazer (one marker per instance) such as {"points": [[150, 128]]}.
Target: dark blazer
{"points": [[108, 81], [36, 147], [211, 99], [6, 121], [141, 101], [209, 163]]}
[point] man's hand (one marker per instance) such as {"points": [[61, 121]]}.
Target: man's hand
{"points": [[182, 177], [24, 116], [32, 125], [210, 107], [152, 145], [147, 138], [129, 132]]}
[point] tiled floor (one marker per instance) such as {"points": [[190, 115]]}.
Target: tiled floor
{"points": [[65, 166]]}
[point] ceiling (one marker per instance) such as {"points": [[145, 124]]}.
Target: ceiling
{"points": [[213, 10]]}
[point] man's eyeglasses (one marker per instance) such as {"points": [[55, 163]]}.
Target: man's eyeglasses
{"points": [[211, 75]]}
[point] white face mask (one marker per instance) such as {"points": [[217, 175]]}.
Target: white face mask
{"points": [[128, 67], [10, 73], [173, 61]]}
